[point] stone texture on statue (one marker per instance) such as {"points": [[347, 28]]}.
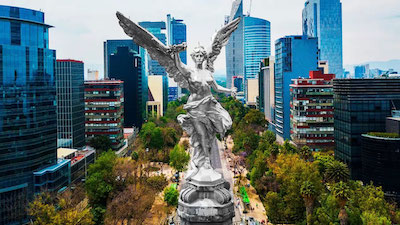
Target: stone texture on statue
{"points": [[205, 197]]}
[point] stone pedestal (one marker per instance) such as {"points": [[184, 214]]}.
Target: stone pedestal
{"points": [[206, 199]]}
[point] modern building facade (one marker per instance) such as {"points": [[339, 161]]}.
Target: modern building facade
{"points": [[80, 161], [295, 56], [252, 92], [158, 30], [323, 19], [53, 178], [127, 66], [158, 92], [266, 80], [28, 121], [361, 106], [380, 159], [104, 110], [70, 103], [176, 34], [361, 71], [247, 46], [311, 113]]}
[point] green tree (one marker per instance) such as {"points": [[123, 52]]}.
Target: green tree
{"points": [[341, 192], [100, 143], [255, 119], [151, 136], [42, 211], [287, 147], [99, 184], [337, 171], [371, 218], [291, 172], [305, 153], [309, 194], [245, 140], [171, 196], [179, 158], [322, 160], [170, 137], [64, 210]]}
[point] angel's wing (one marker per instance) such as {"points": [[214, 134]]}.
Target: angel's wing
{"points": [[156, 49], [220, 39]]}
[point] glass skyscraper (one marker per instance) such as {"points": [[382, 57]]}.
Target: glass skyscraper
{"points": [[361, 106], [28, 121], [156, 28], [323, 19], [110, 48], [126, 66], [176, 33], [70, 104], [295, 57], [247, 46]]}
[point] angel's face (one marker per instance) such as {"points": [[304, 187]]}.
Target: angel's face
{"points": [[198, 58]]}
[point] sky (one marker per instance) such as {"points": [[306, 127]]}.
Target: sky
{"points": [[371, 28]]}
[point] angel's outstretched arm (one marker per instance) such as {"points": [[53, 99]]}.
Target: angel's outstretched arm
{"points": [[220, 89], [175, 50]]}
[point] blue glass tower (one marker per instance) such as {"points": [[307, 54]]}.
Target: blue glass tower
{"points": [[70, 103], [111, 48], [176, 32], [126, 66], [295, 56], [248, 45], [28, 121], [156, 28], [323, 19]]}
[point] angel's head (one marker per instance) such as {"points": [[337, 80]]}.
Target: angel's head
{"points": [[198, 55]]}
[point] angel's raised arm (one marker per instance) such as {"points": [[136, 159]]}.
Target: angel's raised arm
{"points": [[175, 50]]}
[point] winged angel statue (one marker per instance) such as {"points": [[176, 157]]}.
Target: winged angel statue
{"points": [[205, 116]]}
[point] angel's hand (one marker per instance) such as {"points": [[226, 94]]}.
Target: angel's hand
{"points": [[177, 48], [233, 92]]}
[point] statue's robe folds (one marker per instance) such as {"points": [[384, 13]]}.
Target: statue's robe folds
{"points": [[216, 120]]}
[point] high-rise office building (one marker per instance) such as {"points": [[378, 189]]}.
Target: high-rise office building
{"points": [[176, 34], [295, 56], [111, 47], [126, 66], [70, 103], [157, 29], [380, 161], [247, 46], [361, 106], [28, 120], [104, 110], [361, 71], [323, 19], [266, 80], [311, 113]]}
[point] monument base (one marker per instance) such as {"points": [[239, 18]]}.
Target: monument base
{"points": [[205, 199]]}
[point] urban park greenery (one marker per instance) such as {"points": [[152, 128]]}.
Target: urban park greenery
{"points": [[298, 186]]}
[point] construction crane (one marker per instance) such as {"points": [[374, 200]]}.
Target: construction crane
{"points": [[249, 11]]}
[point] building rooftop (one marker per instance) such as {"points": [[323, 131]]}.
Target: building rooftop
{"points": [[69, 60], [104, 82], [60, 163], [63, 152]]}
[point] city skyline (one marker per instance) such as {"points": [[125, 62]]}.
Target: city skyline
{"points": [[368, 34]]}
